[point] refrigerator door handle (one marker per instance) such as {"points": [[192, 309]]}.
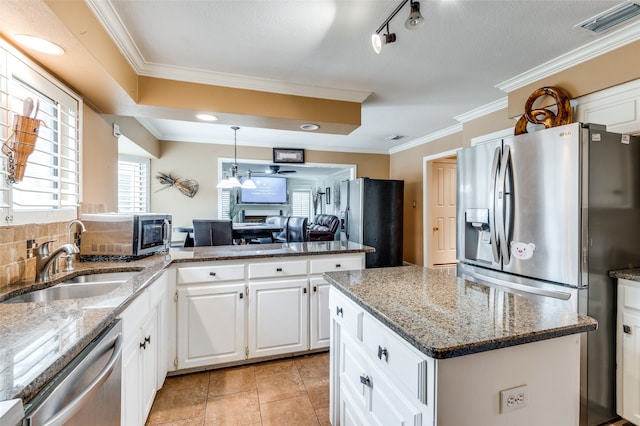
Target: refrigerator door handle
{"points": [[492, 220], [347, 212], [502, 225]]}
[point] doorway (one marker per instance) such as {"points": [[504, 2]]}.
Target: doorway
{"points": [[439, 207]]}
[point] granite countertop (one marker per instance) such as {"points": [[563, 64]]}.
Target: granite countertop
{"points": [[71, 324], [627, 274], [444, 316]]}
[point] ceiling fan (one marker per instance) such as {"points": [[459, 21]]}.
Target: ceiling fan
{"points": [[275, 170]]}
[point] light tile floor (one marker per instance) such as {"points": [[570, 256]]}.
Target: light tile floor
{"points": [[293, 391]]}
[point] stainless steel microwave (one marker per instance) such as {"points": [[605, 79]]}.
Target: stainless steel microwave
{"points": [[124, 236]]}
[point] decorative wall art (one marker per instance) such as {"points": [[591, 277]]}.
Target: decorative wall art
{"points": [[188, 187], [288, 155]]}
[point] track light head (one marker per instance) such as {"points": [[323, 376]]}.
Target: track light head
{"points": [[415, 19], [379, 40]]}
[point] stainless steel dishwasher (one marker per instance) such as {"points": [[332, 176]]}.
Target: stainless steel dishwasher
{"points": [[85, 392]]}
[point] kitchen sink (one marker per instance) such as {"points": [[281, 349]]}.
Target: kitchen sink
{"points": [[101, 277], [81, 286]]}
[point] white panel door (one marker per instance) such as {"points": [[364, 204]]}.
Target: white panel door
{"points": [[278, 316], [211, 325], [443, 212]]}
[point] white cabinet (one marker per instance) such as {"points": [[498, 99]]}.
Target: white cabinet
{"points": [[278, 317], [144, 357], [628, 350], [377, 378], [228, 311], [319, 315], [211, 315]]}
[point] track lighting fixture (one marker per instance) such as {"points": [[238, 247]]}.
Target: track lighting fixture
{"points": [[415, 20]]}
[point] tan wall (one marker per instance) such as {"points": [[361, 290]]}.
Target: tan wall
{"points": [[99, 163], [136, 132], [200, 162]]}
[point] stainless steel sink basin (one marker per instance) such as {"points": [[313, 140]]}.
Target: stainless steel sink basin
{"points": [[81, 286], [101, 277], [66, 291]]}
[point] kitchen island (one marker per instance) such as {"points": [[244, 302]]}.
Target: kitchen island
{"points": [[38, 339], [418, 346]]}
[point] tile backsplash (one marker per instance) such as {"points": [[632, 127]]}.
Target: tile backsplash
{"points": [[17, 262]]}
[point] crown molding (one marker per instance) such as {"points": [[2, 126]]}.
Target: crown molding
{"points": [[193, 75], [607, 43], [426, 139], [489, 108]]}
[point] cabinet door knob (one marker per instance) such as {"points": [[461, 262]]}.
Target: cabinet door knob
{"points": [[339, 311], [626, 329], [304, 290], [241, 296], [315, 288], [382, 352], [213, 274], [365, 380]]}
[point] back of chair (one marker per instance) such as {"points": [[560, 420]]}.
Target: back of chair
{"points": [[297, 229], [281, 221], [211, 232]]}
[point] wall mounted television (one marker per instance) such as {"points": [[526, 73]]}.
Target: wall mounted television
{"points": [[269, 190]]}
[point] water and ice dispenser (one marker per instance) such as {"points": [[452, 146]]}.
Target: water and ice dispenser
{"points": [[477, 238]]}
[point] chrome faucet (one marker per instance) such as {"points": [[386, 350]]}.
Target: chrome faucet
{"points": [[69, 258], [44, 259]]}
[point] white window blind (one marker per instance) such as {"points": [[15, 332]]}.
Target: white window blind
{"points": [[133, 184], [50, 188], [301, 203], [226, 199]]}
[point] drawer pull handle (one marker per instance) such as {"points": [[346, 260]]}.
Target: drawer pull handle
{"points": [[339, 311], [626, 329], [366, 380], [146, 340], [278, 269], [338, 265], [382, 352], [143, 345], [213, 274], [315, 288]]}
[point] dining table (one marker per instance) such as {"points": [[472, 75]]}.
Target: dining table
{"points": [[243, 232]]}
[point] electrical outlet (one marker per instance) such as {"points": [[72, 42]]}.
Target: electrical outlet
{"points": [[514, 398]]}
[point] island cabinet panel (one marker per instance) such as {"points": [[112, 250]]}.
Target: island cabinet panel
{"points": [[278, 317], [628, 350], [378, 378]]}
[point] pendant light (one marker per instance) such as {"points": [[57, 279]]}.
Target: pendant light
{"points": [[233, 181]]}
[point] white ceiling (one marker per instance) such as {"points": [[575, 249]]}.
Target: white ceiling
{"points": [[425, 84]]}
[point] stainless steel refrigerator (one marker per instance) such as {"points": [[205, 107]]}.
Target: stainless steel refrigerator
{"points": [[548, 214], [371, 214]]}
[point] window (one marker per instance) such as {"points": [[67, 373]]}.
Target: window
{"points": [[133, 184], [301, 203], [50, 188]]}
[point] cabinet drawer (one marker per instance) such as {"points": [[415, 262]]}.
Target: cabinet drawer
{"points": [[210, 273], [395, 357], [631, 294], [331, 264], [277, 269], [346, 313]]}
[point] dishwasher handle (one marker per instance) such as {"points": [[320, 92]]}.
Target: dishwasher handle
{"points": [[81, 400]]}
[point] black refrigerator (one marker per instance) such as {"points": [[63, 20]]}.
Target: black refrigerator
{"points": [[371, 212]]}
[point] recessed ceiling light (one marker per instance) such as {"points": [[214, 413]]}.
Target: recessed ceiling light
{"points": [[206, 117], [309, 127], [39, 44]]}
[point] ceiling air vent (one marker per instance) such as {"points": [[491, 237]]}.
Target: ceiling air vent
{"points": [[394, 138], [610, 18]]}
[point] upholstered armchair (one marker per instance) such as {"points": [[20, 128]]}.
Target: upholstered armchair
{"points": [[323, 228]]}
